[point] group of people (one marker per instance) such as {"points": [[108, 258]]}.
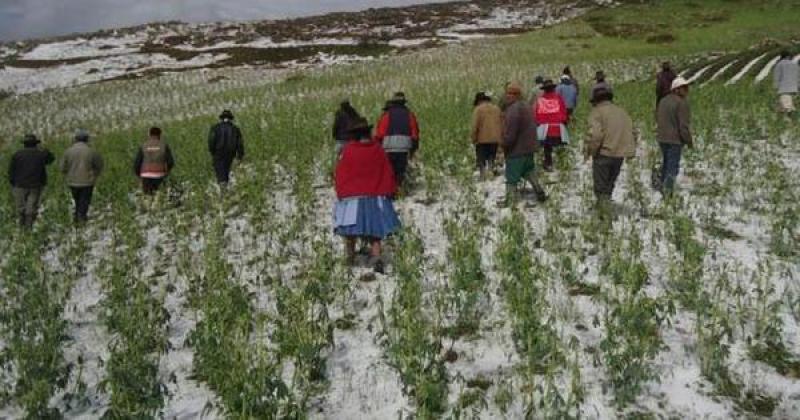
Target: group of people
{"points": [[82, 165], [372, 164]]}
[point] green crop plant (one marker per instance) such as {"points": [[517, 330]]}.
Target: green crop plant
{"points": [[413, 342]]}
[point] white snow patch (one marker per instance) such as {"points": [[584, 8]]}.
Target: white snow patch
{"points": [[765, 71], [699, 73], [81, 47], [721, 71], [26, 80], [267, 43], [406, 43], [746, 69]]}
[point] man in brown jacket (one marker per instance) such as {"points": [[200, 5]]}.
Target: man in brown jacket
{"points": [[519, 144], [611, 141], [487, 131], [81, 166], [674, 131]]}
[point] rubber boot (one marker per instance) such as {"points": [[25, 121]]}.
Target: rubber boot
{"points": [[541, 196], [511, 198]]}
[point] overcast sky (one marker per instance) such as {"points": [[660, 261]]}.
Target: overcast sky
{"points": [[21, 19]]}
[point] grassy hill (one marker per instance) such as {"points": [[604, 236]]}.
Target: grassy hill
{"points": [[241, 306]]}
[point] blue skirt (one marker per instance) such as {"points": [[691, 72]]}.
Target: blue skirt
{"points": [[372, 217]]}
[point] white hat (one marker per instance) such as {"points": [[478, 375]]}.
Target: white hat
{"points": [[679, 82]]}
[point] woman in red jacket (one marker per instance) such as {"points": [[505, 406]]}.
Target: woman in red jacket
{"points": [[550, 113], [365, 184]]}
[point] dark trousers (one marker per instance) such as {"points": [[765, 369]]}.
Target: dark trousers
{"points": [[82, 196], [27, 203], [222, 168], [670, 165], [485, 155], [605, 171], [399, 161], [548, 156], [150, 185]]}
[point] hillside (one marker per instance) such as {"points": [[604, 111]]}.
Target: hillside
{"points": [[240, 305]]}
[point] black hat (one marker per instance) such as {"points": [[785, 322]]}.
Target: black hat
{"points": [[538, 80], [30, 139], [226, 115], [481, 97], [601, 95], [599, 75], [548, 85], [358, 125], [398, 97]]}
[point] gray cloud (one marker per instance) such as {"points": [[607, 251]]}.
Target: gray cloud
{"points": [[21, 19]]}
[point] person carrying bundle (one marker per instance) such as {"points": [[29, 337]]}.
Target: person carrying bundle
{"points": [[398, 133], [153, 162], [364, 184], [551, 117]]}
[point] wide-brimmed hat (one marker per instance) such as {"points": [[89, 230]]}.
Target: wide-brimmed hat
{"points": [[548, 85], [358, 125], [679, 82], [226, 115], [30, 139], [82, 135], [600, 95], [398, 97], [481, 97]]}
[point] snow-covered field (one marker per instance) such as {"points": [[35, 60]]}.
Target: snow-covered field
{"points": [[197, 304]]}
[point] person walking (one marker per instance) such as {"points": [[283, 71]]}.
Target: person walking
{"points": [[673, 119], [153, 162], [519, 143], [225, 143], [611, 141], [398, 133], [787, 77], [664, 81], [27, 173], [487, 131], [81, 166], [568, 72], [551, 117], [365, 184], [536, 93], [600, 83], [344, 116], [569, 93]]}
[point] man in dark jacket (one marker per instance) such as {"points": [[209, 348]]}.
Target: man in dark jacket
{"points": [[664, 81], [153, 162], [519, 143], [398, 132], [27, 174], [674, 131], [225, 143]]}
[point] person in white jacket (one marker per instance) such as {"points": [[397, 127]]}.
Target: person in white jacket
{"points": [[787, 78]]}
